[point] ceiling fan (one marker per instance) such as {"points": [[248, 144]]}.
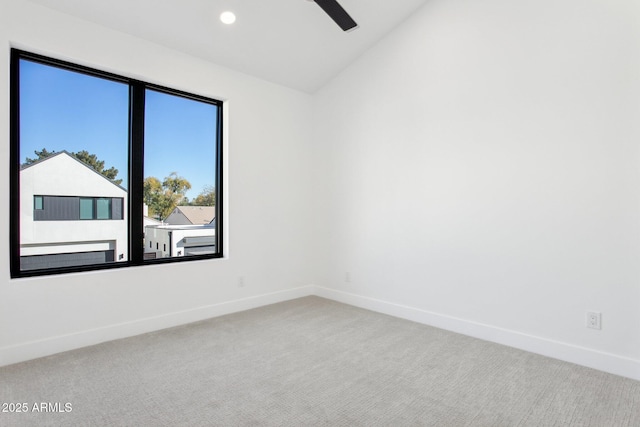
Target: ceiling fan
{"points": [[337, 13]]}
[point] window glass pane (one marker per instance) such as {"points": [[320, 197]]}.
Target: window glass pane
{"points": [[37, 202], [86, 208], [180, 174], [103, 208], [73, 143]]}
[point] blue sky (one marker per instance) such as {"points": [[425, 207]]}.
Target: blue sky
{"points": [[180, 137], [64, 110]]}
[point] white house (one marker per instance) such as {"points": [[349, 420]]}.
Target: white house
{"points": [[73, 218], [188, 230], [162, 241], [146, 219]]}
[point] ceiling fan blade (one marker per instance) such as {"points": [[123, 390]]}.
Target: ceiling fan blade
{"points": [[337, 13]]}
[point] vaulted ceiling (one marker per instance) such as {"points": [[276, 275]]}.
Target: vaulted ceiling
{"points": [[289, 42]]}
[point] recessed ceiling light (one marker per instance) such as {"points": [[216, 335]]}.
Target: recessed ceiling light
{"points": [[228, 17]]}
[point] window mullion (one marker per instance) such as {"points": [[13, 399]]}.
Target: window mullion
{"points": [[136, 172]]}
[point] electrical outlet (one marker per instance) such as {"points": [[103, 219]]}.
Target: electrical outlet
{"points": [[241, 281], [594, 320]]}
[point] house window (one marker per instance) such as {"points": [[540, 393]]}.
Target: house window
{"points": [[103, 208], [97, 208], [86, 208], [69, 208], [115, 153], [38, 203]]}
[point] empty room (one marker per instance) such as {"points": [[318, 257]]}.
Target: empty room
{"points": [[320, 212]]}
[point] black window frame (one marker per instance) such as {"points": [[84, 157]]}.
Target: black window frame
{"points": [[135, 217]]}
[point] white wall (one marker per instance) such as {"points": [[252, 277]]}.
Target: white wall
{"points": [[44, 315], [482, 173]]}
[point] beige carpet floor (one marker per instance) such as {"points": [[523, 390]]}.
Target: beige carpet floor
{"points": [[312, 362]]}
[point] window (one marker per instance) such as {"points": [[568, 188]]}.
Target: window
{"points": [[99, 208], [103, 208], [86, 208], [38, 203], [105, 160], [68, 208]]}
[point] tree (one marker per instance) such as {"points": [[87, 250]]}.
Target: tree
{"points": [[85, 157], [163, 197], [152, 195], [43, 154], [92, 161], [206, 198]]}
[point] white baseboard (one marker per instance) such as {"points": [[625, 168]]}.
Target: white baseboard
{"points": [[601, 361], [48, 346]]}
